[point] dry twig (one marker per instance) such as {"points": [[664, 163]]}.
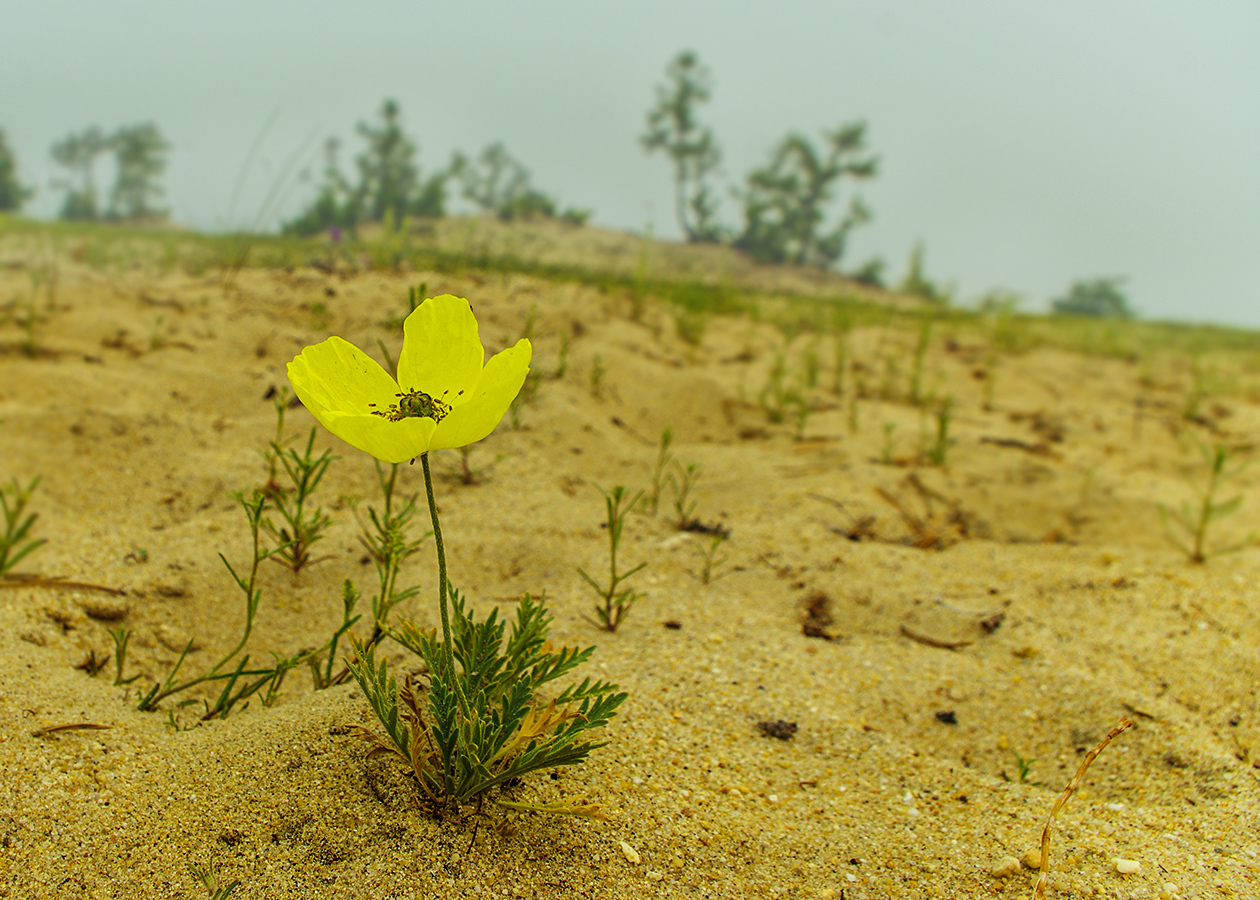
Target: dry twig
{"points": [[1039, 890]]}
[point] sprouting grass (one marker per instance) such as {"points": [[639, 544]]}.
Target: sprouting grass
{"points": [[616, 599], [681, 482], [386, 535], [710, 560], [889, 446], [937, 450], [1025, 768], [562, 358], [920, 354], [1187, 526], [659, 473], [599, 369], [15, 543], [301, 527], [121, 637], [208, 875], [232, 667]]}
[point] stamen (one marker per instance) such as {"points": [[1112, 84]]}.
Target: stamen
{"points": [[414, 405]]}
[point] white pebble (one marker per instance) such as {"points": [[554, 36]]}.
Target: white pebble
{"points": [[1128, 866], [631, 855], [1032, 858], [1007, 867]]}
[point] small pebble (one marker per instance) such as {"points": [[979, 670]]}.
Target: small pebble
{"points": [[1128, 866], [1007, 867], [1032, 858], [631, 855]]}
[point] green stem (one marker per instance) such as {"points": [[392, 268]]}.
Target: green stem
{"points": [[447, 641]]}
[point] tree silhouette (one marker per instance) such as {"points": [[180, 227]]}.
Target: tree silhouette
{"points": [[785, 202], [12, 193], [140, 156], [672, 128], [387, 171], [497, 183], [78, 153]]}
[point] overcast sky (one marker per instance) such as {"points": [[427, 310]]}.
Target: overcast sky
{"points": [[1026, 144]]}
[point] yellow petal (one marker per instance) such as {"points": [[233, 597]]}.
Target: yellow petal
{"points": [[498, 386], [341, 386], [335, 375], [441, 353]]}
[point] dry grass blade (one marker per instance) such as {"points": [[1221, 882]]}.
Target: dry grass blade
{"points": [[35, 581], [72, 726], [927, 532], [1039, 890]]}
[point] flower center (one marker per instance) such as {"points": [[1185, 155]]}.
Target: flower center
{"points": [[414, 405]]}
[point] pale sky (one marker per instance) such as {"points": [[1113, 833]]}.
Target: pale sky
{"points": [[1026, 144]]}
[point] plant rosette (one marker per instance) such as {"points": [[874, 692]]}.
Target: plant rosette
{"points": [[445, 396]]}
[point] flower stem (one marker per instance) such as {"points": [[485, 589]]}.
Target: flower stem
{"points": [[447, 641]]}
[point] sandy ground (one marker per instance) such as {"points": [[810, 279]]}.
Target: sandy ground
{"points": [[1050, 576]]}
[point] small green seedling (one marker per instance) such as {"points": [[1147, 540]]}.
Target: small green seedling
{"points": [[562, 358], [598, 370], [681, 482], [280, 399], [415, 296], [224, 670], [386, 537], [659, 472], [1187, 527], [938, 450], [841, 324], [886, 457], [301, 527], [616, 604], [916, 368], [121, 636], [14, 543], [1025, 768], [208, 875], [711, 561]]}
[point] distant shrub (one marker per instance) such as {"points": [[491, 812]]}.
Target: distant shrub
{"points": [[1100, 298], [870, 273]]}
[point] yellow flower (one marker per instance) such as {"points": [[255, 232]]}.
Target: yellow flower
{"points": [[443, 397]]}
